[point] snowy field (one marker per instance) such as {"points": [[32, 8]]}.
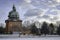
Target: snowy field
{"points": [[29, 37]]}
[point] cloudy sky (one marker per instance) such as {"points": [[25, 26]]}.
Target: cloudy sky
{"points": [[32, 10]]}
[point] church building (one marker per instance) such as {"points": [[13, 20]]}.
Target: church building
{"points": [[13, 23]]}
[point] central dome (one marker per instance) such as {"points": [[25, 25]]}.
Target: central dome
{"points": [[13, 15]]}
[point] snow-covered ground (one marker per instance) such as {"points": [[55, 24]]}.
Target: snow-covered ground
{"points": [[29, 37]]}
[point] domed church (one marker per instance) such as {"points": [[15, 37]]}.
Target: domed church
{"points": [[13, 23]]}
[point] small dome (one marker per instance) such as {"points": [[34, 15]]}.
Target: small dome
{"points": [[13, 14]]}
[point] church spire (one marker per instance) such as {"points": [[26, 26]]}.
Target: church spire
{"points": [[14, 9]]}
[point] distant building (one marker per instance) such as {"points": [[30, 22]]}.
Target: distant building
{"points": [[13, 23]]}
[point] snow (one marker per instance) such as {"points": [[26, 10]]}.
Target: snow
{"points": [[29, 37]]}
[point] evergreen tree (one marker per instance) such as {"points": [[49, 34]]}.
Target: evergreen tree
{"points": [[44, 29], [51, 27], [34, 29], [58, 30], [1, 30]]}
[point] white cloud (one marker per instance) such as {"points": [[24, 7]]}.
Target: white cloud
{"points": [[41, 10], [35, 12], [57, 0], [28, 1]]}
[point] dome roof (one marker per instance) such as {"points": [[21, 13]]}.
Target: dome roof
{"points": [[13, 14]]}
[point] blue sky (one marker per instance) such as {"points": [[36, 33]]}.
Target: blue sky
{"points": [[37, 10], [6, 7]]}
